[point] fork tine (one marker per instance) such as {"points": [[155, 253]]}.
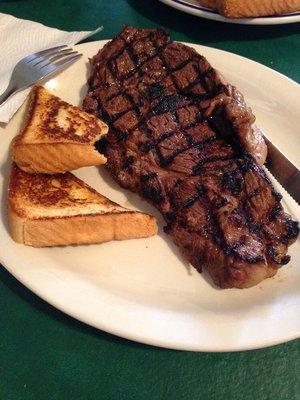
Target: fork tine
{"points": [[46, 51], [35, 59], [56, 58], [43, 61], [48, 69]]}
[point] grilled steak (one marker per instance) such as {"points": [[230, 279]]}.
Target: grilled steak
{"points": [[184, 139]]}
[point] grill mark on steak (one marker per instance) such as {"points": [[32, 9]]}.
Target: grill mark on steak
{"points": [[134, 106], [159, 51], [175, 139], [199, 168], [135, 58], [169, 103], [200, 191]]}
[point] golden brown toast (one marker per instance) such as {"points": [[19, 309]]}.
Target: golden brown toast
{"points": [[208, 3], [252, 8], [57, 137], [53, 210]]}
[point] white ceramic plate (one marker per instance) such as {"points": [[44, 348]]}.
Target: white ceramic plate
{"points": [[193, 7], [142, 289]]}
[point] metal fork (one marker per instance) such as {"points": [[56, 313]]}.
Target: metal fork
{"points": [[37, 66]]}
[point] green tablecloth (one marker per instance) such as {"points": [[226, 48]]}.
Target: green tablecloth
{"points": [[46, 355]]}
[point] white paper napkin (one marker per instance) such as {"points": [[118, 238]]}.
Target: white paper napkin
{"points": [[19, 38]]}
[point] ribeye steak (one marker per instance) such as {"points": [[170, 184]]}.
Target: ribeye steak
{"points": [[184, 139]]}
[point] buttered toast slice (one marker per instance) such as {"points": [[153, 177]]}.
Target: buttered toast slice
{"points": [[53, 210], [57, 137], [257, 8], [252, 8]]}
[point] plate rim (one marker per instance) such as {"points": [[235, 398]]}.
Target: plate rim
{"points": [[135, 337], [203, 12], [138, 338]]}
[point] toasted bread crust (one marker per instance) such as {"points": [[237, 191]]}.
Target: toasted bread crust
{"points": [[54, 158], [257, 8], [208, 3], [33, 196], [61, 210], [57, 137], [42, 120], [16, 224], [252, 8], [89, 229]]}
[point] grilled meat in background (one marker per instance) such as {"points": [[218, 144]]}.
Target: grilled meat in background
{"points": [[184, 139]]}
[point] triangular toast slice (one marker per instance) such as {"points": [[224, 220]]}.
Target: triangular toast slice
{"points": [[57, 136], [54, 210]]}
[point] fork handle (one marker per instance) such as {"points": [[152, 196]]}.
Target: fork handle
{"points": [[7, 93]]}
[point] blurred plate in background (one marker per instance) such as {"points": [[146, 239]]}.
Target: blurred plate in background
{"points": [[193, 7]]}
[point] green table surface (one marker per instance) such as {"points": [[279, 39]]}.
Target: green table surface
{"points": [[46, 355]]}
